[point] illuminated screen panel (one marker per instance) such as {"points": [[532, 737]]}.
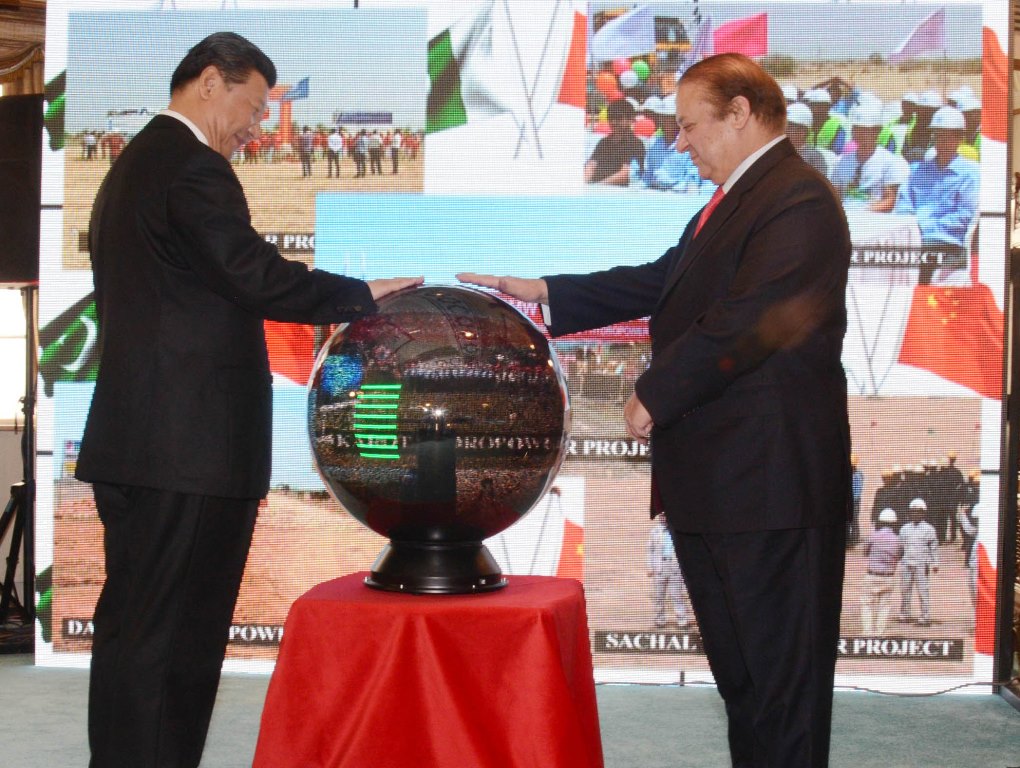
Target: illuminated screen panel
{"points": [[492, 175]]}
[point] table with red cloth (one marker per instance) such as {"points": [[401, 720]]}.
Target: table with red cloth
{"points": [[372, 679]]}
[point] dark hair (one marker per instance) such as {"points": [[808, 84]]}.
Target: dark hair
{"points": [[620, 109], [728, 75], [234, 56]]}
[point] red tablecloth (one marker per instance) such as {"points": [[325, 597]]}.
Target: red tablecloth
{"points": [[370, 679]]}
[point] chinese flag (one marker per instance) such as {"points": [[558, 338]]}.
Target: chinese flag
{"points": [[956, 333], [572, 89], [749, 36], [995, 85], [984, 616], [571, 565], [291, 350]]}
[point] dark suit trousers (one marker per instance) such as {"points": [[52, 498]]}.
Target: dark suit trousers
{"points": [[768, 605], [174, 563]]}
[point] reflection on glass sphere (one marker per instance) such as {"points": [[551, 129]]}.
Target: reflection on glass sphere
{"points": [[440, 420]]}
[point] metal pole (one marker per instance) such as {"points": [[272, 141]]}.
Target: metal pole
{"points": [[30, 294]]}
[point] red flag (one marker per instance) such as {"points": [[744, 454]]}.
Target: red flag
{"points": [[995, 84], [572, 89], [571, 565], [956, 333], [749, 36], [291, 350], [984, 612]]}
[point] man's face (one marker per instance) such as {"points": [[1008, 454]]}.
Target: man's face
{"points": [[621, 125], [237, 112], [711, 141], [946, 143], [866, 137]]}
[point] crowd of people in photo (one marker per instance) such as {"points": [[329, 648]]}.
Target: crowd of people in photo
{"points": [[916, 155], [916, 512], [917, 515], [102, 145], [369, 151]]}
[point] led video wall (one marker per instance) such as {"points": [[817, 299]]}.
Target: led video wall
{"points": [[485, 127]]}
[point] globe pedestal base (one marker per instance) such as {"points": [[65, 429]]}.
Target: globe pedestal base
{"points": [[436, 569]]}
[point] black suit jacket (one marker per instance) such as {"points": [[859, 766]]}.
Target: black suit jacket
{"points": [[183, 400], [745, 387]]}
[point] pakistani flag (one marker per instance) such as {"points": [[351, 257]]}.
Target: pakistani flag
{"points": [[70, 345], [463, 74]]}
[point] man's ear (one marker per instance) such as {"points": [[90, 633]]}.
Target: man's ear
{"points": [[209, 80], [740, 108]]}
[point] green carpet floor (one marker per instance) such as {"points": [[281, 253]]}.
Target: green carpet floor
{"points": [[42, 725]]}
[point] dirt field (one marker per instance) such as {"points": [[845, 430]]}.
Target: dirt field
{"points": [[280, 199], [301, 541]]}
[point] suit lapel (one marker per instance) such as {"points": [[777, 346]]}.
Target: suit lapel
{"points": [[725, 211]]}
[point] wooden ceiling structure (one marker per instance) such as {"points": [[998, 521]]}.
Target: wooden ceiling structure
{"points": [[22, 40]]}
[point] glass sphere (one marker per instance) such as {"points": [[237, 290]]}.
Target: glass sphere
{"points": [[441, 419]]}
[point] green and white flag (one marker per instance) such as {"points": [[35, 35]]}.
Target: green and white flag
{"points": [[463, 73], [70, 345]]}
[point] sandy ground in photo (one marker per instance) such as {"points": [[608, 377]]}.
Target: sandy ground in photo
{"points": [[301, 541], [280, 199]]}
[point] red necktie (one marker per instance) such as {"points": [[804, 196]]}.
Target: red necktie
{"points": [[707, 210]]}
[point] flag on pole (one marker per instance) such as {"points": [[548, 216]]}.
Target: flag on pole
{"points": [[572, 87], [299, 91], [995, 85], [957, 334], [704, 45], [749, 36], [70, 345], [632, 34], [929, 35], [463, 73]]}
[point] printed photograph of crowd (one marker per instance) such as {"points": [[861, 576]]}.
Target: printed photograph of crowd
{"points": [[893, 121], [348, 114]]}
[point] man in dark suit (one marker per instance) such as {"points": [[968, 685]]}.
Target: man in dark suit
{"points": [[745, 406], [177, 442]]}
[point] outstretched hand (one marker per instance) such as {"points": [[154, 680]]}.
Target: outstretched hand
{"points": [[388, 285], [524, 289]]}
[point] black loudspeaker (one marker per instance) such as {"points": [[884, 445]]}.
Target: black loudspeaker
{"points": [[21, 124]]}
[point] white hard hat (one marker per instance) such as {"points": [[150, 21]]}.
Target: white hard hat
{"points": [[818, 96], [667, 105], [799, 114], [963, 92], [791, 92], [651, 104], [887, 515], [866, 116], [949, 118], [869, 99], [892, 112], [968, 103], [919, 504]]}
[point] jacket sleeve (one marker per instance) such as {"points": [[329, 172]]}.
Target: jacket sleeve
{"points": [[788, 286], [581, 302], [209, 217]]}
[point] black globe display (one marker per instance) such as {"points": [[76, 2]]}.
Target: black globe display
{"points": [[438, 422]]}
